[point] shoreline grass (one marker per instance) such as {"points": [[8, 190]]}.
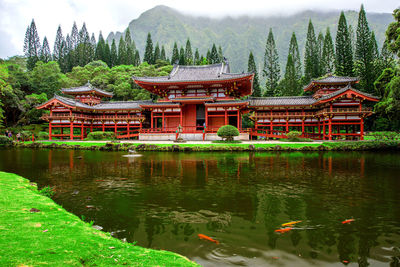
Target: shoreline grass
{"points": [[56, 237]]}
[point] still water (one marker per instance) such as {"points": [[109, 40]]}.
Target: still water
{"points": [[164, 200]]}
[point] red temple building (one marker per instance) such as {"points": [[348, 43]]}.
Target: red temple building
{"points": [[197, 100]]}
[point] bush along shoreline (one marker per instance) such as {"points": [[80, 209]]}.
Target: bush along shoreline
{"points": [[37, 231], [393, 145]]}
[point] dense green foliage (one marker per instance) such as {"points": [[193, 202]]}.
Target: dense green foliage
{"points": [[4, 140], [271, 71], [251, 67], [228, 132], [43, 136], [311, 55], [100, 136], [344, 51]]}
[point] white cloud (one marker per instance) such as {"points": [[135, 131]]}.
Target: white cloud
{"points": [[107, 16]]}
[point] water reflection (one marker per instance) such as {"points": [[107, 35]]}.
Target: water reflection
{"points": [[163, 200]]}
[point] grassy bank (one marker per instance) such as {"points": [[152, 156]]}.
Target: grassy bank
{"points": [[55, 237]]}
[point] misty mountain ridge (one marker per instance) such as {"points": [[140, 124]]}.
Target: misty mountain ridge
{"points": [[242, 34]]}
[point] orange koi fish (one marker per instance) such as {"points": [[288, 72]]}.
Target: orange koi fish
{"points": [[348, 221], [283, 230], [290, 223], [204, 237]]}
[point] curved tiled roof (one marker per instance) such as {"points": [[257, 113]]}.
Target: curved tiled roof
{"points": [[344, 89], [87, 88], [285, 100]]}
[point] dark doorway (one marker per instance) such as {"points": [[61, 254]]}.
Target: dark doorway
{"points": [[233, 121], [200, 117]]}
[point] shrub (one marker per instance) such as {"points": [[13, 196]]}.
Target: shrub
{"points": [[100, 136], [47, 191], [26, 135], [43, 136], [228, 132], [4, 140], [293, 134], [382, 136]]}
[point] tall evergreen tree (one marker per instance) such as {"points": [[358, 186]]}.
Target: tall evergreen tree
{"points": [[113, 54], [74, 36], [271, 66], [208, 57], [175, 54], [251, 67], [32, 45], [68, 60], [374, 44], [320, 48], [364, 54], [45, 54], [197, 57], [344, 52], [214, 57], [294, 51], [163, 56], [130, 48], [84, 49], [386, 55], [328, 54], [121, 52], [290, 85], [58, 52], [182, 56], [352, 37], [107, 54], [220, 54], [100, 47], [311, 61], [188, 53], [137, 58], [157, 53], [148, 54]]}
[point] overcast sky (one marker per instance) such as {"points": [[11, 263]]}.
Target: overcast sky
{"points": [[107, 16]]}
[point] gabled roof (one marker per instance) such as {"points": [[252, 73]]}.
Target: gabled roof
{"points": [[331, 79], [282, 101], [85, 89], [344, 90]]}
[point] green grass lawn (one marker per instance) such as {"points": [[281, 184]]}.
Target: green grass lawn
{"points": [[55, 237]]}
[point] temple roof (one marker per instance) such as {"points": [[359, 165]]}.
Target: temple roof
{"points": [[331, 79], [282, 101], [181, 73], [85, 89], [347, 88], [226, 102]]}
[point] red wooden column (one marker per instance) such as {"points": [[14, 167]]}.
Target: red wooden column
{"points": [[50, 134], [302, 126], [82, 130], [206, 108], [238, 125], [163, 119], [287, 120], [115, 126], [71, 130], [330, 129], [323, 129], [362, 128]]}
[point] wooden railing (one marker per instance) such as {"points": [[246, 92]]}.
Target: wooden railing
{"points": [[63, 116], [355, 110], [283, 115]]}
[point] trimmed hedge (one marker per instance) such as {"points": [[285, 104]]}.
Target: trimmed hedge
{"points": [[228, 132], [293, 134], [100, 136]]}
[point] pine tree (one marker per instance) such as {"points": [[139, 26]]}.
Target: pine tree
{"points": [[175, 55], [271, 66], [32, 45], [344, 52], [311, 62], [251, 67], [84, 48], [197, 57], [58, 52], [290, 85], [137, 58], [364, 54], [387, 56], [182, 56], [113, 54], [157, 53], [294, 51], [68, 60], [121, 52], [163, 56], [99, 53], [320, 48], [220, 54], [328, 54], [375, 51], [208, 57], [214, 57], [352, 39], [130, 48], [188, 53], [107, 54], [74, 36], [148, 54], [93, 46], [45, 54]]}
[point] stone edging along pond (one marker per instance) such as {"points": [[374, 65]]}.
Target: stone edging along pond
{"points": [[37, 231], [116, 146]]}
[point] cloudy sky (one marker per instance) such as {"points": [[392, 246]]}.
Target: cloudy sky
{"points": [[107, 16]]}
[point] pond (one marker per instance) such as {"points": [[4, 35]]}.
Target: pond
{"points": [[164, 200]]}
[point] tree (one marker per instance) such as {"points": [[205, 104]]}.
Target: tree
{"points": [[137, 58], [228, 132], [386, 56], [163, 56], [45, 54], [290, 85], [328, 54], [374, 44], [251, 67], [271, 66], [175, 54], [107, 54], [197, 57], [130, 48], [214, 57], [157, 53], [320, 48], [148, 54], [46, 78], [311, 62], [188, 53], [393, 33], [121, 52], [220, 54], [364, 54], [100, 48], [84, 48], [344, 53], [113, 54], [294, 51], [58, 51], [182, 56], [32, 45]]}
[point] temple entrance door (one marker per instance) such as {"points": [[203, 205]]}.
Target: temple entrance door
{"points": [[233, 121], [200, 117], [189, 118]]}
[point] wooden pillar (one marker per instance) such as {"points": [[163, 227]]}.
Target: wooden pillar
{"points": [[302, 126], [71, 130], [206, 117], [287, 120], [330, 129], [50, 133], [82, 127], [115, 127], [163, 118], [103, 126], [127, 128], [362, 128], [323, 129], [62, 132], [238, 125], [152, 121], [226, 116]]}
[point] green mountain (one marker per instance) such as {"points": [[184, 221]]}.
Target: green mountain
{"points": [[239, 35]]}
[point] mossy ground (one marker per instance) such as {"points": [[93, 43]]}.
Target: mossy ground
{"points": [[55, 237]]}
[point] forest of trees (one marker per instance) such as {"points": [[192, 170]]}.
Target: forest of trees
{"points": [[79, 57]]}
